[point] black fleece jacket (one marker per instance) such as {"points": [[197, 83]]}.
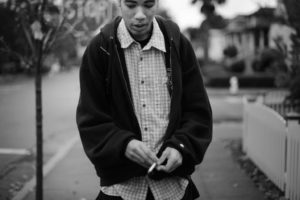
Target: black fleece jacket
{"points": [[105, 112]]}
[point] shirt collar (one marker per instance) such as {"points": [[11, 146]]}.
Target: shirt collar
{"points": [[157, 39]]}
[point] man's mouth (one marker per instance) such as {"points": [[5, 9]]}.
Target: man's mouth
{"points": [[139, 25]]}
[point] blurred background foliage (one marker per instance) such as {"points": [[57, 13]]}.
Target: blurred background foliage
{"points": [[18, 39], [69, 25], [66, 28], [293, 7]]}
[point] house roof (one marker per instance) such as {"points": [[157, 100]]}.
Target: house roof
{"points": [[260, 19], [264, 12]]}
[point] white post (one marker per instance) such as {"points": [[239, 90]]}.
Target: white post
{"points": [[234, 85], [292, 191]]}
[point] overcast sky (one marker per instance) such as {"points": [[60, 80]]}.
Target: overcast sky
{"points": [[186, 14]]}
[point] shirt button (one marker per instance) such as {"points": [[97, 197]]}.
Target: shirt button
{"points": [[142, 82], [181, 145], [146, 129], [144, 105], [141, 58]]}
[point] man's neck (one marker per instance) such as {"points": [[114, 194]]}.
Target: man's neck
{"points": [[144, 42]]}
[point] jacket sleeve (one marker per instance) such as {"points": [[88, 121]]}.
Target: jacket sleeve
{"points": [[103, 141], [194, 132]]}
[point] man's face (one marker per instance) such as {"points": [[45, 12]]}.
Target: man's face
{"points": [[138, 16]]}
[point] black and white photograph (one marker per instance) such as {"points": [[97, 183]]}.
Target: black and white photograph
{"points": [[149, 100]]}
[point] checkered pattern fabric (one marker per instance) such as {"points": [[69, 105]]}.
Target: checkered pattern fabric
{"points": [[148, 82]]}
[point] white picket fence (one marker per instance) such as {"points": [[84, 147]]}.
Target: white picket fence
{"points": [[293, 160], [273, 144]]}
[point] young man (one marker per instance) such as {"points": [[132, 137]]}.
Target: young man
{"points": [[142, 102]]}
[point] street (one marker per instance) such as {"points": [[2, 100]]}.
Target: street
{"points": [[17, 124], [60, 96], [17, 109]]}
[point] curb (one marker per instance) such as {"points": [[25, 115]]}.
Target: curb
{"points": [[61, 153]]}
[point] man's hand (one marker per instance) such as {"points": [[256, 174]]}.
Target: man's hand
{"points": [[138, 152], [173, 158]]}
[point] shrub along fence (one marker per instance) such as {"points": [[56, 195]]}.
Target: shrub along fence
{"points": [[271, 139]]}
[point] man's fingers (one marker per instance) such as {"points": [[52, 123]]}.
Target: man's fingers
{"points": [[174, 160], [136, 157], [169, 166], [139, 161], [149, 156], [138, 152], [163, 157]]}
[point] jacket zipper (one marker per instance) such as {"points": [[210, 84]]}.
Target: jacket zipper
{"points": [[123, 77]]}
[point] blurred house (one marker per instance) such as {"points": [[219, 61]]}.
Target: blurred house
{"points": [[217, 43], [250, 33], [264, 29]]}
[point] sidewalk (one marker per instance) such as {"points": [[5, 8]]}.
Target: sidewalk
{"points": [[218, 178], [74, 178]]}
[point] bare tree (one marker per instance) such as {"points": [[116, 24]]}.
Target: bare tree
{"points": [[42, 23]]}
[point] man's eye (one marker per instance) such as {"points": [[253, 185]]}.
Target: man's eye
{"points": [[149, 4], [130, 4]]}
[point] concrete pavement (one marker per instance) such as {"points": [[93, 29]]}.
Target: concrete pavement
{"points": [[72, 179], [217, 178]]}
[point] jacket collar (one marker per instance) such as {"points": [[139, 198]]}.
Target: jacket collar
{"points": [[169, 29]]}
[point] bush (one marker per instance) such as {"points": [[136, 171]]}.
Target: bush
{"points": [[295, 87], [269, 60], [230, 51], [238, 66], [272, 61], [65, 50], [10, 40], [254, 81]]}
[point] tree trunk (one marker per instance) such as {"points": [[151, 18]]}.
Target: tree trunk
{"points": [[39, 124], [39, 113]]}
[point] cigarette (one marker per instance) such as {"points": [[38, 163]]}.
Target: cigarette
{"points": [[151, 168]]}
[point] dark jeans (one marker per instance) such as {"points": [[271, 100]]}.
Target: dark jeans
{"points": [[190, 194]]}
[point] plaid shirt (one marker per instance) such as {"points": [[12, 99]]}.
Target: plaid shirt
{"points": [[148, 82]]}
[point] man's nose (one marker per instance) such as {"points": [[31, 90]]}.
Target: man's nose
{"points": [[140, 15]]}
